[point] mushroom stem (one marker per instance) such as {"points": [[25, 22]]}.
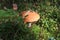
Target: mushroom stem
{"points": [[29, 25]]}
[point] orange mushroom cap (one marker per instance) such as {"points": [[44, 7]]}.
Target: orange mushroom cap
{"points": [[30, 16]]}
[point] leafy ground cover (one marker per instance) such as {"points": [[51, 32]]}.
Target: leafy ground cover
{"points": [[12, 26]]}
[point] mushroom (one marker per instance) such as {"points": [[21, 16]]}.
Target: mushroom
{"points": [[15, 6], [30, 17]]}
